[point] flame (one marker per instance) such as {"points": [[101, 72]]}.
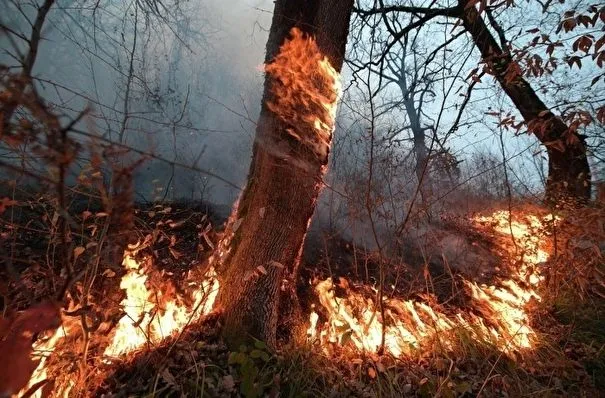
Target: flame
{"points": [[499, 315], [42, 350], [145, 321], [149, 318], [305, 91]]}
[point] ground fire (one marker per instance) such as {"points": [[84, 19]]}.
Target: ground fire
{"points": [[499, 313], [148, 317]]}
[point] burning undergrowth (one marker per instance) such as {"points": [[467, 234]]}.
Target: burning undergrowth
{"points": [[495, 312], [136, 306], [140, 331]]}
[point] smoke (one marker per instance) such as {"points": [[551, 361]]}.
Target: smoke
{"points": [[184, 85]]}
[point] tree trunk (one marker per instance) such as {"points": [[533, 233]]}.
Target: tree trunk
{"points": [[263, 239], [568, 168], [420, 149]]}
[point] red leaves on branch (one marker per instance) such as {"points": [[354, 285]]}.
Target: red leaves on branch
{"points": [[601, 115], [574, 60], [6, 203], [583, 43]]}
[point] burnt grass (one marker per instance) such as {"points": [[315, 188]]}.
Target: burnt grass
{"points": [[571, 361]]}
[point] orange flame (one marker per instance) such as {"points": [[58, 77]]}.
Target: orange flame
{"points": [[143, 322], [499, 316], [305, 90], [42, 350]]}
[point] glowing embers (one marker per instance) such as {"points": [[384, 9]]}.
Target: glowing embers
{"points": [[149, 316], [305, 89], [498, 312]]}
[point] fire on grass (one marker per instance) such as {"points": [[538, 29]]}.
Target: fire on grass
{"points": [[498, 314], [149, 317]]}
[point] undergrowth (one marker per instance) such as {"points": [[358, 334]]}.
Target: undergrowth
{"points": [[586, 333], [306, 371]]}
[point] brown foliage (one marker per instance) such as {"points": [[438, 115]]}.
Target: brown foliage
{"points": [[16, 336]]}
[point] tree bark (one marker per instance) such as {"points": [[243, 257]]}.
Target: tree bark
{"points": [[263, 239], [568, 169]]}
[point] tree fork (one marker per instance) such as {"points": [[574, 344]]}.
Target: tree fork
{"points": [[264, 237]]}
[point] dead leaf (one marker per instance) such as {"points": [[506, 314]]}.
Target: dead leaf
{"points": [[108, 273], [6, 203], [343, 283], [78, 251], [371, 372], [176, 254], [55, 218], [208, 241], [176, 224]]}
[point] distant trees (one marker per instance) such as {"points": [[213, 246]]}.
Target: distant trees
{"points": [[141, 71], [569, 171]]}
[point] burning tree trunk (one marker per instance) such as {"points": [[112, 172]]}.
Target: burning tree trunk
{"points": [[568, 168], [259, 254]]}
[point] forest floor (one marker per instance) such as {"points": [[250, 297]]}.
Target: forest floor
{"points": [[568, 358]]}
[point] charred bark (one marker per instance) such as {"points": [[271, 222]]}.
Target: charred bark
{"points": [[265, 233], [568, 169]]}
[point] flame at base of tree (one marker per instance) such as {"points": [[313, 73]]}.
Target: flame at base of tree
{"points": [[149, 317], [498, 316]]}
